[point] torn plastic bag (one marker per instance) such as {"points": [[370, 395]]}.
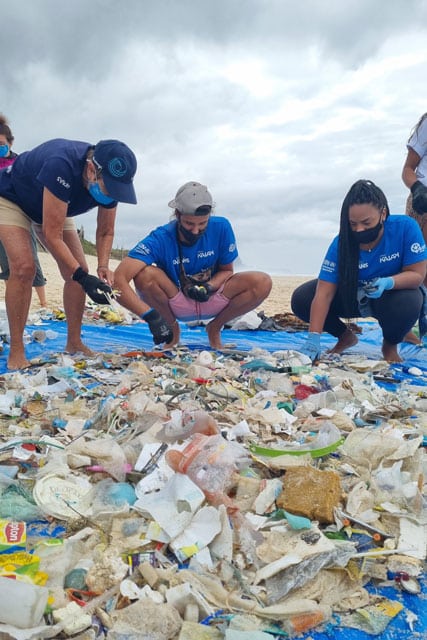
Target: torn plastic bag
{"points": [[278, 586], [210, 462]]}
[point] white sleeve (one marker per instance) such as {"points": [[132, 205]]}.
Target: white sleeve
{"points": [[418, 140]]}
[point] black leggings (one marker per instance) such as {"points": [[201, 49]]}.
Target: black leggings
{"points": [[396, 311]]}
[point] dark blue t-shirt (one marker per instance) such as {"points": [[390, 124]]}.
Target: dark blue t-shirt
{"points": [[401, 245], [57, 165], [216, 247]]}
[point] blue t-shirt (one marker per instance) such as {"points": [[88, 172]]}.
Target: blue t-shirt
{"points": [[57, 165], [217, 246], [401, 245]]}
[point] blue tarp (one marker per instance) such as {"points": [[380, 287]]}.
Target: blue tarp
{"points": [[398, 628], [121, 339]]}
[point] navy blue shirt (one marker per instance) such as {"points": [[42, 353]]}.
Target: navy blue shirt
{"points": [[57, 165]]}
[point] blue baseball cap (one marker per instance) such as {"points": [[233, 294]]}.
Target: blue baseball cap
{"points": [[118, 166]]}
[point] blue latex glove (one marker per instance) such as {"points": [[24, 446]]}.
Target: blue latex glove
{"points": [[376, 288], [311, 347]]}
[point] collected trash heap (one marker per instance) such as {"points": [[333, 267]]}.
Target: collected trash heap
{"points": [[197, 494]]}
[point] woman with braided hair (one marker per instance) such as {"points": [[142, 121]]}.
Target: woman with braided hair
{"points": [[374, 267]]}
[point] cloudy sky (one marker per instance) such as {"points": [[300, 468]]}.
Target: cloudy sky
{"points": [[277, 105]]}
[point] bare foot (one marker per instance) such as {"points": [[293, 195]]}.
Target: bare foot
{"points": [[17, 358], [14, 363], [412, 338], [345, 341], [214, 336], [390, 352], [354, 327], [176, 336], [78, 347]]}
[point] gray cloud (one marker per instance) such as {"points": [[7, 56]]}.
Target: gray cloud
{"points": [[278, 107], [80, 34]]}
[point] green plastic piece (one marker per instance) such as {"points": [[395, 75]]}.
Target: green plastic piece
{"points": [[315, 453]]}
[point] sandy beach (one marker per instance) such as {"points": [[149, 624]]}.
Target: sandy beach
{"points": [[277, 302]]}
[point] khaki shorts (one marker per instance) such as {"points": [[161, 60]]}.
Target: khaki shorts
{"points": [[12, 215]]}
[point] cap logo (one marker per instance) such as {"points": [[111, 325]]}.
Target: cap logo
{"points": [[117, 167]]}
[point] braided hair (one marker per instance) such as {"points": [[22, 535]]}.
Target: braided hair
{"points": [[5, 129], [362, 192]]}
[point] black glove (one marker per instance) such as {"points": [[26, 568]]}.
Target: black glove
{"points": [[419, 197], [159, 328], [199, 292], [93, 286]]}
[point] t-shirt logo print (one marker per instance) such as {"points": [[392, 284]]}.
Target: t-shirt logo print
{"points": [[117, 167]]}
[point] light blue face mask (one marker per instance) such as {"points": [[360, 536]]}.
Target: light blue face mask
{"points": [[4, 150], [98, 195]]}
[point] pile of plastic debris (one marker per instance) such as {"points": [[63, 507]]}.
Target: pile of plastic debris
{"points": [[192, 494]]}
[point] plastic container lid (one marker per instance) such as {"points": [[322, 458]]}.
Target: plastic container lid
{"points": [[63, 498]]}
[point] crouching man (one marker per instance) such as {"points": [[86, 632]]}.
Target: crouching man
{"points": [[183, 270]]}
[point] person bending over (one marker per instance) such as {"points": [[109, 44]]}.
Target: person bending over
{"points": [[44, 189], [374, 267], [184, 270]]}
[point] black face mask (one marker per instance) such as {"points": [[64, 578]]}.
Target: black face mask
{"points": [[368, 235], [189, 237]]}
